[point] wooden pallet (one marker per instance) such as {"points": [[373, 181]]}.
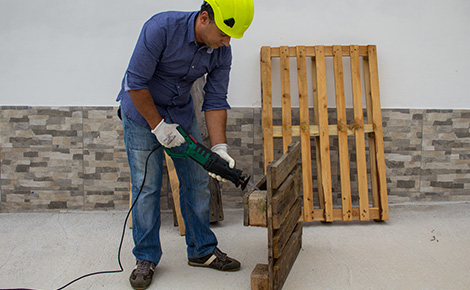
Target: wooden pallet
{"points": [[277, 206], [321, 130]]}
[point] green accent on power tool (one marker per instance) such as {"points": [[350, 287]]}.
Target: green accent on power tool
{"points": [[209, 160]]}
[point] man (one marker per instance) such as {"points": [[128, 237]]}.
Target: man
{"points": [[175, 49]]}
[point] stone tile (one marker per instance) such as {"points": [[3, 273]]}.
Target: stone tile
{"points": [[41, 127], [41, 200], [106, 179], [404, 174], [447, 131], [102, 128], [402, 130], [446, 166], [41, 169]]}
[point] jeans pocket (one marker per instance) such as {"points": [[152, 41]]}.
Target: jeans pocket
{"points": [[138, 137]]}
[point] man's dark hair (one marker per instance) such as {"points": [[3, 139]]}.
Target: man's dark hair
{"points": [[207, 7]]}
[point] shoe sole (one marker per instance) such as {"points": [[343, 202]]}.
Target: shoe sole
{"points": [[140, 287], [208, 266]]}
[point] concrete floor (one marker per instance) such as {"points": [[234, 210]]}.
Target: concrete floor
{"points": [[422, 246]]}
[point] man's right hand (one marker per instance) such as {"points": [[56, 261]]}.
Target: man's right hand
{"points": [[168, 135]]}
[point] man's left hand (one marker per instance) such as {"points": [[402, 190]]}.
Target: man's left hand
{"points": [[221, 150]]}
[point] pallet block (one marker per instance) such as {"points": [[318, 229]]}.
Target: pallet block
{"points": [[278, 207]]}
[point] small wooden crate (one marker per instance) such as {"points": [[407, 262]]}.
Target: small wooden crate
{"points": [[277, 206]]}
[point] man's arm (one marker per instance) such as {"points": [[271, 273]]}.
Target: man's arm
{"points": [[144, 104], [216, 121]]}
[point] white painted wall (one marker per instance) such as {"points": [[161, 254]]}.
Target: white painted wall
{"points": [[74, 52]]}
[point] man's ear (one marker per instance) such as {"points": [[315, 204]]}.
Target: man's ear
{"points": [[204, 16]]}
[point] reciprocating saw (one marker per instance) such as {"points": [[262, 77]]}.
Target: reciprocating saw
{"points": [[209, 160]]}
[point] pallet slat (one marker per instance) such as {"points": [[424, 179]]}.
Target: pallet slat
{"points": [[267, 111], [321, 199], [359, 134], [378, 131], [286, 261], [342, 134], [321, 111], [372, 154], [282, 201], [304, 130], [310, 51], [282, 235], [286, 99], [281, 169], [374, 213], [314, 131]]}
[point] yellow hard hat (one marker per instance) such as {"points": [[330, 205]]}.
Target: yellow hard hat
{"points": [[233, 17]]}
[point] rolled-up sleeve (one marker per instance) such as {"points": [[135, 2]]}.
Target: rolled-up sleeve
{"points": [[216, 87], [145, 57]]}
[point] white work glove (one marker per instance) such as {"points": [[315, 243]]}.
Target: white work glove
{"points": [[168, 135], [221, 149]]}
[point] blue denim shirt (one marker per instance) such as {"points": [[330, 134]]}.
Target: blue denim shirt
{"points": [[167, 60]]}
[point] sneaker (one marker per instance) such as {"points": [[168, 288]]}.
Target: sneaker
{"points": [[217, 260], [141, 276]]}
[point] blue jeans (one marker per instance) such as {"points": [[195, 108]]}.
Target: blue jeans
{"points": [[193, 189]]}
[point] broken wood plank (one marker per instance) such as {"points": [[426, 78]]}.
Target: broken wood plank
{"points": [[269, 219], [283, 200], [321, 110], [283, 167], [285, 230], [286, 261], [378, 131]]}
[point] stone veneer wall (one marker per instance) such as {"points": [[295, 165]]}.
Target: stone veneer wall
{"points": [[73, 158]]}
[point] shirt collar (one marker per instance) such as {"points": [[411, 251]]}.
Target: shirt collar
{"points": [[192, 19], [192, 36]]}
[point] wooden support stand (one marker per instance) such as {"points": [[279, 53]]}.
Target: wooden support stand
{"points": [[322, 131], [277, 206]]}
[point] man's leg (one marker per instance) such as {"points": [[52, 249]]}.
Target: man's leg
{"points": [[139, 143], [194, 201]]}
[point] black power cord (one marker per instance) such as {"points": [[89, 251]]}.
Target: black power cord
{"points": [[122, 237]]}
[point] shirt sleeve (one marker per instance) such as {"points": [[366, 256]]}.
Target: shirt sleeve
{"points": [[216, 87], [145, 57]]}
